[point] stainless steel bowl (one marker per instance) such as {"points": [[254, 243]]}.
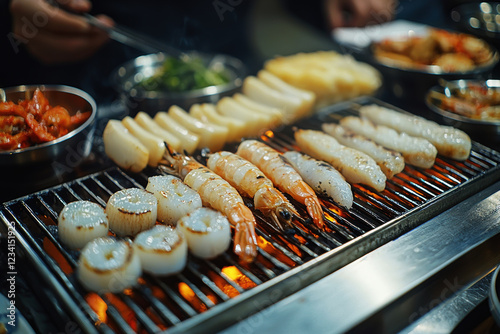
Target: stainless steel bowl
{"points": [[127, 76], [413, 83], [67, 150], [486, 131]]}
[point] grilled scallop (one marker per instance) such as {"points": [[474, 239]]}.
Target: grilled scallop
{"points": [[162, 250], [207, 231], [175, 198], [108, 265], [81, 221], [131, 211]]}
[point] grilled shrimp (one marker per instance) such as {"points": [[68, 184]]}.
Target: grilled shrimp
{"points": [[283, 175], [218, 194], [250, 181]]}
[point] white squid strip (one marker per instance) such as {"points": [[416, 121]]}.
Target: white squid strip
{"points": [[131, 211], [391, 162], [449, 141], [108, 265], [355, 166], [162, 250], [175, 198], [322, 177], [417, 151], [207, 231], [81, 221]]}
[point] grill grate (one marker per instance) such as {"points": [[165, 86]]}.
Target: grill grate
{"points": [[209, 295]]}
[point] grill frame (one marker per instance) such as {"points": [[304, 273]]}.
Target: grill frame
{"points": [[283, 284]]}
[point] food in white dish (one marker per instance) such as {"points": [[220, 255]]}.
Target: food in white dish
{"points": [[450, 142], [162, 249], [108, 265], [283, 176], [355, 166], [81, 221], [123, 148], [131, 211], [417, 151], [207, 231], [175, 198], [389, 161], [322, 177], [218, 194], [250, 181]]}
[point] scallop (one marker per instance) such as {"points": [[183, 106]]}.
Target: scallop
{"points": [[108, 265], [131, 211], [163, 250], [207, 231], [175, 198], [81, 221]]}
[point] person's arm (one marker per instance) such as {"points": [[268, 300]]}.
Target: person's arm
{"points": [[52, 34], [358, 13]]}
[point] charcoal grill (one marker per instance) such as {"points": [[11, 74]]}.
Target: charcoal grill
{"points": [[209, 296]]}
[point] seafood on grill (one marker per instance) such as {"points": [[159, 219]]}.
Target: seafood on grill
{"points": [[189, 140], [217, 193], [123, 148], [207, 112], [80, 222], [283, 175], [449, 141], [153, 143], [175, 198], [355, 166], [108, 265], [389, 161], [322, 177], [131, 211], [416, 151], [250, 181], [211, 135], [162, 250], [207, 231]]}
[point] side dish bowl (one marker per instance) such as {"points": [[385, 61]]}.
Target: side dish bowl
{"points": [[126, 80], [405, 81], [73, 146], [487, 130]]}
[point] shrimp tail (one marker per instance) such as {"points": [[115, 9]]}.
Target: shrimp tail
{"points": [[245, 239], [314, 209], [245, 242]]}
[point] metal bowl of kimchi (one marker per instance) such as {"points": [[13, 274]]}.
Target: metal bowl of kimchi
{"points": [[470, 105], [45, 123], [414, 63]]}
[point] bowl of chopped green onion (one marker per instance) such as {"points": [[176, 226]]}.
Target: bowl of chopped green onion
{"points": [[154, 82]]}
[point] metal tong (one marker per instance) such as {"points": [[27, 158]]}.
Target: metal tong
{"points": [[135, 39]]}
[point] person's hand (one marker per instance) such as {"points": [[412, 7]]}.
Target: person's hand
{"points": [[358, 13], [52, 34]]}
